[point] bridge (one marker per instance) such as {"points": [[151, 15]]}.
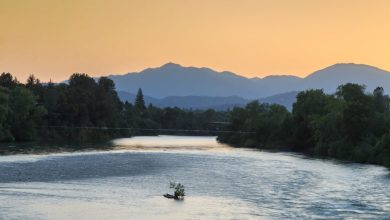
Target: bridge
{"points": [[154, 130]]}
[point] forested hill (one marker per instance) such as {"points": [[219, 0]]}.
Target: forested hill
{"points": [[189, 102], [209, 102]]}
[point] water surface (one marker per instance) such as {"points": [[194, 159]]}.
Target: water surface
{"points": [[221, 183]]}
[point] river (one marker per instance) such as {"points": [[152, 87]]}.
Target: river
{"points": [[221, 182]]}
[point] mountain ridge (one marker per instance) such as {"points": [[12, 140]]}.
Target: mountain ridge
{"points": [[175, 81]]}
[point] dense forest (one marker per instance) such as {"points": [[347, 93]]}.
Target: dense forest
{"points": [[83, 110], [350, 124]]}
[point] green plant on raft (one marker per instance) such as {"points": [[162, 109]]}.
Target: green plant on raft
{"points": [[179, 190]]}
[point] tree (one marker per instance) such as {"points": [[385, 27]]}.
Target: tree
{"points": [[4, 113], [78, 102], [25, 116], [36, 87], [179, 190], [310, 105], [351, 92], [8, 81], [382, 150], [32, 81], [263, 120], [356, 112], [140, 102], [108, 104], [380, 104]]}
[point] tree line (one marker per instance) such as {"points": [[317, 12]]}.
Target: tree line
{"points": [[350, 124], [69, 111]]}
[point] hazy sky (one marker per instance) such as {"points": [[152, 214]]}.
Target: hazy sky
{"points": [[54, 38]]}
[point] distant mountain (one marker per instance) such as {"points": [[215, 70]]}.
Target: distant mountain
{"points": [[206, 102], [203, 88], [175, 80], [272, 85], [333, 76], [202, 102], [130, 97], [189, 102], [285, 99]]}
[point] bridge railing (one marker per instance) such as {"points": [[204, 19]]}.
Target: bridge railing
{"points": [[156, 130]]}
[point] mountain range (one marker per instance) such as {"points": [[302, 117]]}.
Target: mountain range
{"points": [[200, 88]]}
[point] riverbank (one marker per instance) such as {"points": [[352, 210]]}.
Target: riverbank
{"points": [[155, 143], [136, 143], [310, 152], [51, 147]]}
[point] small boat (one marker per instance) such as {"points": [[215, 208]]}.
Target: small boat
{"points": [[169, 196]]}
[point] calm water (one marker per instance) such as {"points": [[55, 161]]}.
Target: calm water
{"points": [[221, 183]]}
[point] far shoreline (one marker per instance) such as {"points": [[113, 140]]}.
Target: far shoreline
{"points": [[37, 148]]}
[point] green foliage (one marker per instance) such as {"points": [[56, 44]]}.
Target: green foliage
{"points": [[263, 119], [8, 81], [356, 112], [140, 102], [310, 106], [382, 150], [66, 111], [4, 112], [179, 190], [25, 114], [350, 125], [20, 116]]}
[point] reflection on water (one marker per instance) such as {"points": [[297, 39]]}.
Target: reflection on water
{"points": [[220, 184], [167, 142]]}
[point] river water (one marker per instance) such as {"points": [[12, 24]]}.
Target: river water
{"points": [[220, 182]]}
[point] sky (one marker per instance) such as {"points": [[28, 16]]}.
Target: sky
{"points": [[55, 38]]}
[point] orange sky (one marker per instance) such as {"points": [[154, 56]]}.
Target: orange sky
{"points": [[54, 38]]}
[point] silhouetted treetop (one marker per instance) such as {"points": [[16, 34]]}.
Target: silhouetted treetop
{"points": [[140, 102]]}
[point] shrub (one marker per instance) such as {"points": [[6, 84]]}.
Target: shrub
{"points": [[179, 190]]}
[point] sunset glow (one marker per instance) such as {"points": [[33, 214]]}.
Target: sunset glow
{"points": [[54, 38]]}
